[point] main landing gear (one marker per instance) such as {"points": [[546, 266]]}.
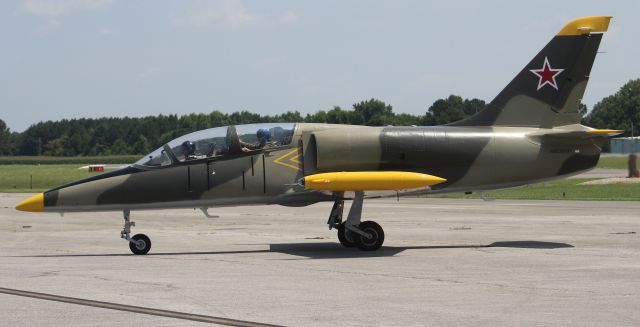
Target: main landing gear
{"points": [[139, 243], [366, 235]]}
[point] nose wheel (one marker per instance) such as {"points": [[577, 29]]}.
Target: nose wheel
{"points": [[139, 243]]}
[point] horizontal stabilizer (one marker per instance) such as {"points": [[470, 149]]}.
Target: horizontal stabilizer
{"points": [[370, 181], [585, 134]]}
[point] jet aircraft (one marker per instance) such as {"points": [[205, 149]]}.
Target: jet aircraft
{"points": [[529, 133]]}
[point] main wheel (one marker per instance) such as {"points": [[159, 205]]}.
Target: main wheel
{"points": [[142, 244], [346, 237], [377, 236]]}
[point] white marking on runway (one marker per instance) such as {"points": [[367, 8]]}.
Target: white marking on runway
{"points": [[135, 309]]}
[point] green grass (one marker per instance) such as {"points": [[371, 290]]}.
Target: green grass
{"points": [[564, 189], [46, 160], [613, 162], [37, 174], [16, 178]]}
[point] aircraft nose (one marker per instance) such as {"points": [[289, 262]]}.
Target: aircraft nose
{"points": [[32, 204]]}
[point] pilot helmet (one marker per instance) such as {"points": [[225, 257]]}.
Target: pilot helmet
{"points": [[263, 133], [189, 147]]}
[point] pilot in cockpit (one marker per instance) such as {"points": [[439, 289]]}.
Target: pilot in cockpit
{"points": [[263, 135], [189, 150]]}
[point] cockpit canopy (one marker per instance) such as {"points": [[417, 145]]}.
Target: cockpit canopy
{"points": [[219, 142]]}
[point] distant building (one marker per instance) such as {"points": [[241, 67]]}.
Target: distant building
{"points": [[625, 145]]}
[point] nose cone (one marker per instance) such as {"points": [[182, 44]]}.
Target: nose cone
{"points": [[32, 204]]}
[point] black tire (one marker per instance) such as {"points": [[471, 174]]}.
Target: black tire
{"points": [[142, 244], [346, 237], [375, 242]]}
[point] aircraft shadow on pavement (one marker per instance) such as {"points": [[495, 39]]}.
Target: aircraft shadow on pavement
{"points": [[331, 250], [530, 245]]}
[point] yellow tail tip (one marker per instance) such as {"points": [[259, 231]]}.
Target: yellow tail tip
{"points": [[32, 204], [586, 25]]}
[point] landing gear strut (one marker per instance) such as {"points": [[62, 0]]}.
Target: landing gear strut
{"points": [[366, 235], [139, 243]]}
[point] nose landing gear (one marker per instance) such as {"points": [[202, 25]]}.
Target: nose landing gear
{"points": [[139, 243]]}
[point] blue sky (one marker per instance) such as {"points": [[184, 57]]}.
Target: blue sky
{"points": [[93, 58]]}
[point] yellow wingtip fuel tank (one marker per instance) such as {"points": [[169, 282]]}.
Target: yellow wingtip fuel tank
{"points": [[370, 181]]}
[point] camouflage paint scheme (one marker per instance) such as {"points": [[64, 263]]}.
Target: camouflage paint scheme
{"points": [[529, 133]]}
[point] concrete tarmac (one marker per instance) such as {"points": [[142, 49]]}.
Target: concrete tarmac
{"points": [[445, 262], [603, 173]]}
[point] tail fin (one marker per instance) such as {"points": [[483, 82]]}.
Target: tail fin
{"points": [[548, 90]]}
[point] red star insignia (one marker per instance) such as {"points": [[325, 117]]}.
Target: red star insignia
{"points": [[547, 75]]}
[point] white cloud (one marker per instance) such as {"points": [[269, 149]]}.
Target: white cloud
{"points": [[53, 9], [146, 73], [287, 17], [230, 14], [105, 31]]}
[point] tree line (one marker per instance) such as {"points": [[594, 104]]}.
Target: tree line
{"points": [[116, 136]]}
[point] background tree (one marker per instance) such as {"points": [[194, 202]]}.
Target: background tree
{"points": [[109, 136], [245, 117], [451, 109], [406, 120], [217, 119], [289, 116], [6, 139], [318, 117], [337, 116], [473, 106], [372, 112], [141, 146], [618, 111], [582, 109]]}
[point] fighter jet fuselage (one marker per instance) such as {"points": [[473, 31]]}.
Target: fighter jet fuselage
{"points": [[468, 158]]}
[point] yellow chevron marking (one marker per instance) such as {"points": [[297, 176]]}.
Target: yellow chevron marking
{"points": [[291, 156]]}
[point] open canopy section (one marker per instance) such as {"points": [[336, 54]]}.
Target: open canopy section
{"points": [[219, 142]]}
